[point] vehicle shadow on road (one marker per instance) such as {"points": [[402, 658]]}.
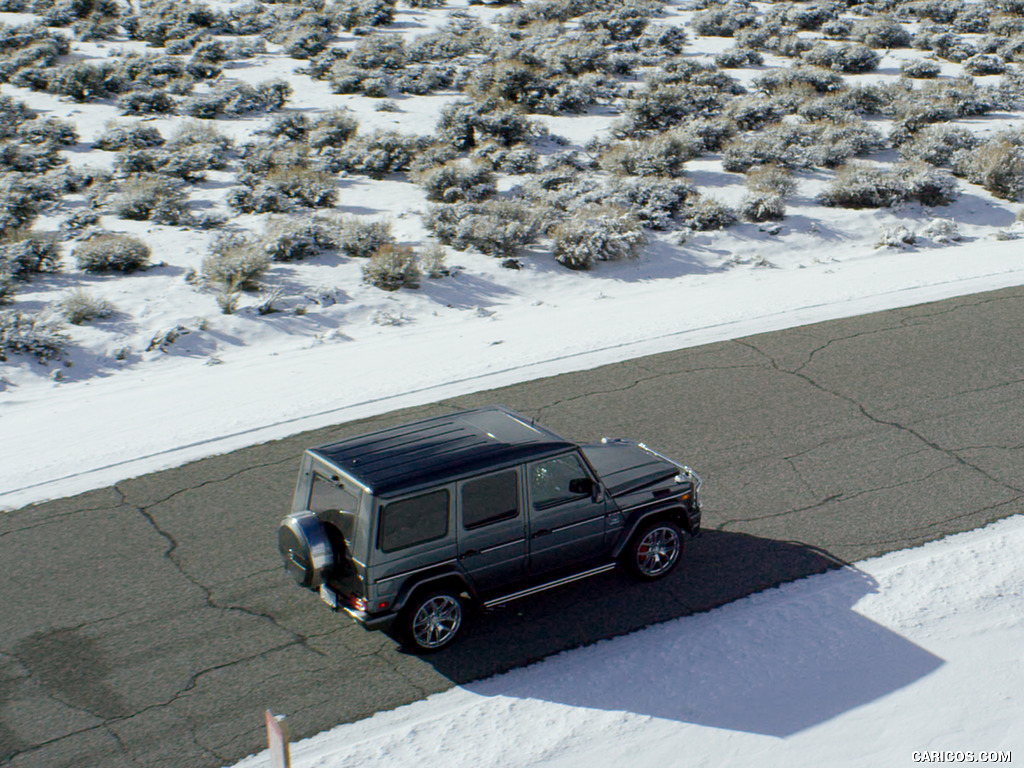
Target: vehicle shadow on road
{"points": [[775, 664]]}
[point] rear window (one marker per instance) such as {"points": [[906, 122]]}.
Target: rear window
{"points": [[412, 521], [326, 496]]}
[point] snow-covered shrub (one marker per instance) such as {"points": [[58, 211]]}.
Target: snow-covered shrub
{"points": [[375, 155], [838, 29], [852, 58], [512, 160], [19, 205], [662, 154], [857, 185], [456, 181], [24, 253], [771, 179], [332, 129], [597, 233], [29, 158], [433, 261], [667, 106], [392, 267], [48, 131], [997, 165], [497, 228], [936, 144], [464, 123], [238, 99], [736, 57], [290, 238], [378, 51], [78, 306], [31, 334], [706, 213], [944, 44], [128, 136], [153, 197], [895, 236], [656, 202], [8, 287], [763, 206], [881, 32], [984, 64], [283, 187], [724, 21], [83, 81], [820, 79], [942, 231], [361, 238], [293, 126], [235, 264], [111, 252], [365, 13], [804, 145], [922, 69]]}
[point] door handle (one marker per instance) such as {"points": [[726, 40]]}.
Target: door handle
{"points": [[541, 532]]}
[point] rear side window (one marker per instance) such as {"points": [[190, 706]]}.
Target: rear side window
{"points": [[490, 499], [325, 496], [413, 521]]}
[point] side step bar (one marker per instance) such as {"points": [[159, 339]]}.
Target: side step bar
{"points": [[495, 602]]}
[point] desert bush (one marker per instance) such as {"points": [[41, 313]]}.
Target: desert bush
{"points": [[881, 32], [234, 264], [195, 133], [944, 44], [704, 213], [597, 233], [512, 160], [12, 115], [656, 202], [920, 68], [292, 238], [292, 126], [8, 287], [783, 78], [662, 154], [497, 228], [942, 231], [83, 81], [984, 64], [332, 129], [433, 261], [736, 58], [48, 132], [997, 165], [19, 205], [771, 179], [762, 206], [238, 99], [724, 21], [284, 187], [379, 51], [29, 159], [463, 123], [39, 335], [153, 197], [111, 252], [24, 253], [392, 267], [801, 145], [665, 107], [78, 222], [132, 136], [375, 155], [936, 144], [852, 58], [361, 238], [895, 236], [365, 13], [78, 306], [456, 181], [857, 185]]}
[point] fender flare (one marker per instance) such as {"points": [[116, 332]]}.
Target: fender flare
{"points": [[428, 580], [672, 511]]}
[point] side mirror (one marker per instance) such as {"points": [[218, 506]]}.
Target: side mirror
{"points": [[582, 486]]}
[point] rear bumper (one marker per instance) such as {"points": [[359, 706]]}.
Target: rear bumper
{"points": [[380, 621]]}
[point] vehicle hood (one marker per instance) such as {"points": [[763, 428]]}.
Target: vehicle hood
{"points": [[625, 467]]}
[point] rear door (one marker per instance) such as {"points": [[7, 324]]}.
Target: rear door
{"points": [[492, 529], [567, 524]]}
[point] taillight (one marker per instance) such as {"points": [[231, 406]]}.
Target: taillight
{"points": [[358, 603]]}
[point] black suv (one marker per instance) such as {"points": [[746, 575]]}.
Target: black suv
{"points": [[415, 523]]}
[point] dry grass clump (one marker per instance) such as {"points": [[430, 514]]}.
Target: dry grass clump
{"points": [[79, 306]]}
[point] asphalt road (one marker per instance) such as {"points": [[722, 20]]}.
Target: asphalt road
{"points": [[150, 624]]}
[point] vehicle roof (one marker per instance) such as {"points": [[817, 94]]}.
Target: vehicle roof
{"points": [[441, 448]]}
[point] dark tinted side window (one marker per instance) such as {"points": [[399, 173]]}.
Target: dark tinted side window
{"points": [[549, 480], [413, 521], [490, 499]]}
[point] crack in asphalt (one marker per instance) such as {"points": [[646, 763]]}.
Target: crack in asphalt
{"points": [[880, 421]]}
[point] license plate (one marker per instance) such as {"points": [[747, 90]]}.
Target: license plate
{"points": [[328, 596]]}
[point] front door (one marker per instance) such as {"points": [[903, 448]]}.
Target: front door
{"points": [[492, 534], [567, 526]]}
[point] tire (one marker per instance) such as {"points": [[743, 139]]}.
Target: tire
{"points": [[434, 620], [656, 550]]}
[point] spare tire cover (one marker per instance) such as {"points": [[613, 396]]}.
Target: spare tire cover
{"points": [[305, 548]]}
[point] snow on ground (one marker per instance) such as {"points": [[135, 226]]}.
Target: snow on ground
{"points": [[917, 651], [460, 335]]}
